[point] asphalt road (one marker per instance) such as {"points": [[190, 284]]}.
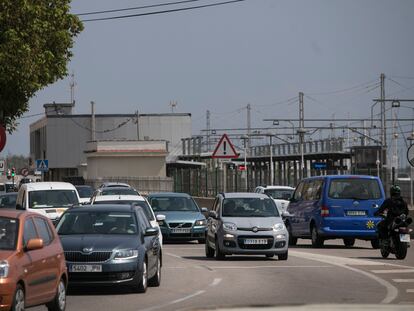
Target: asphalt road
{"points": [[333, 275]]}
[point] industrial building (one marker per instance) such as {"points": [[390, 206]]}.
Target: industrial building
{"points": [[62, 137]]}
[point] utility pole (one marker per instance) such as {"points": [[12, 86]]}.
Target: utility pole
{"points": [[137, 114], [93, 125], [72, 88], [301, 133], [383, 121], [249, 126], [271, 160], [208, 130]]}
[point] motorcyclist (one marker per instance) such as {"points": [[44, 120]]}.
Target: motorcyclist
{"points": [[395, 206]]}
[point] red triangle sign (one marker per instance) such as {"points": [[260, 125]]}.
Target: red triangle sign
{"points": [[225, 149]]}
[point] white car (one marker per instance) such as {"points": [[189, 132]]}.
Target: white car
{"points": [[50, 199], [132, 199], [280, 194]]}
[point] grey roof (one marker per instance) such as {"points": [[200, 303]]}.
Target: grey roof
{"points": [[103, 208], [169, 194]]}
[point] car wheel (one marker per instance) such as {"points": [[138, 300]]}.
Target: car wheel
{"points": [[19, 299], [209, 251], [349, 242], [59, 302], [201, 241], [283, 256], [375, 243], [155, 281], [142, 285], [219, 254], [292, 240], [317, 241]]}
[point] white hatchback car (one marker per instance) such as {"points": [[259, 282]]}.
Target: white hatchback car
{"points": [[132, 199], [280, 194]]}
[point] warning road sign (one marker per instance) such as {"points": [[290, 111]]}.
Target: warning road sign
{"points": [[42, 165], [225, 149]]}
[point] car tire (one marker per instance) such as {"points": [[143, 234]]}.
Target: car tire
{"points": [[18, 299], [219, 254], [317, 241], [155, 281], [59, 302], [375, 243], [292, 240], [283, 256], [201, 241], [349, 242], [142, 285], [209, 251]]}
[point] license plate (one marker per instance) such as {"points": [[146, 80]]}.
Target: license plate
{"points": [[180, 230], [356, 213], [404, 237], [85, 268], [255, 241]]}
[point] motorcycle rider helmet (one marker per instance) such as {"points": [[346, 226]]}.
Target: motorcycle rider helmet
{"points": [[395, 190]]}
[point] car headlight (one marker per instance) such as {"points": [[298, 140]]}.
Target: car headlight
{"points": [[201, 222], [4, 268], [278, 227], [229, 226], [126, 254]]}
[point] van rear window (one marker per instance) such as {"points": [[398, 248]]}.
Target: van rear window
{"points": [[354, 188]]}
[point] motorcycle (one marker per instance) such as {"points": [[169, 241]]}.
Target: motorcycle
{"points": [[398, 238]]}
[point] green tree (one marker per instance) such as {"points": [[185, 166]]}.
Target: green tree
{"points": [[36, 37]]}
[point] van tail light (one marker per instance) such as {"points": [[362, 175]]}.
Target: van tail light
{"points": [[324, 211]]}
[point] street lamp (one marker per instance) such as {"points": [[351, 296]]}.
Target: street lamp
{"points": [[301, 132], [271, 158], [409, 158]]}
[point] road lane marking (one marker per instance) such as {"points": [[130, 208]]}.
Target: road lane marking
{"points": [[187, 297], [393, 271], [215, 282], [173, 255], [392, 291], [410, 290], [265, 267], [403, 280]]}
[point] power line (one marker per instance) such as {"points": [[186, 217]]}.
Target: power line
{"points": [[32, 115], [136, 8], [162, 12], [362, 86]]}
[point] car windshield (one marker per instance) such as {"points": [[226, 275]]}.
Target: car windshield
{"points": [[85, 192], [249, 207], [8, 200], [173, 204], [354, 188], [279, 194], [102, 222], [119, 191], [8, 233], [52, 198]]}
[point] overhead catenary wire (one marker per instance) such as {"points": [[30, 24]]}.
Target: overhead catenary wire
{"points": [[359, 86], [163, 11]]}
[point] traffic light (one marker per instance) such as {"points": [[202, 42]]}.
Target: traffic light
{"points": [[13, 172]]}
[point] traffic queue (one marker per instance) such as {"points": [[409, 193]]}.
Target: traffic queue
{"points": [[57, 235]]}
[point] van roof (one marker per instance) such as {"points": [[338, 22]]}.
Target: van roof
{"points": [[47, 185], [343, 176], [118, 197]]}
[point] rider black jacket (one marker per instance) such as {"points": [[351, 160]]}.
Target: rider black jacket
{"points": [[395, 206]]}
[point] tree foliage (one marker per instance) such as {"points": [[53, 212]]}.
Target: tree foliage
{"points": [[36, 37]]}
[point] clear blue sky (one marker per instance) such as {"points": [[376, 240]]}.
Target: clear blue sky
{"points": [[221, 58]]}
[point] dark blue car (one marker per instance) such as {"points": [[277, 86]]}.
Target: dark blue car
{"points": [[110, 244], [335, 207]]}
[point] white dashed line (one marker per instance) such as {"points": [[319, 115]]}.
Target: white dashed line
{"points": [[403, 280], [393, 271], [215, 282], [265, 267]]}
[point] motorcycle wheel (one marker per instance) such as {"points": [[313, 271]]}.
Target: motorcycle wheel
{"points": [[401, 250], [384, 252]]}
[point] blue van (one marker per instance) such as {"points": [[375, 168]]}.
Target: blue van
{"points": [[335, 207]]}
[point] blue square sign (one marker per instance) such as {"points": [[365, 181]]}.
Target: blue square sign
{"points": [[42, 165]]}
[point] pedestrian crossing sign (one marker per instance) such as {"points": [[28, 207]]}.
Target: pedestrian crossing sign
{"points": [[42, 165]]}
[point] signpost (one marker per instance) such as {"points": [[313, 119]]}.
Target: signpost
{"points": [[225, 150]]}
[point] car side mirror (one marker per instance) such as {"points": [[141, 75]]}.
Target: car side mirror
{"points": [[34, 244], [151, 232], [20, 207], [160, 217], [286, 214], [213, 214], [204, 210]]}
